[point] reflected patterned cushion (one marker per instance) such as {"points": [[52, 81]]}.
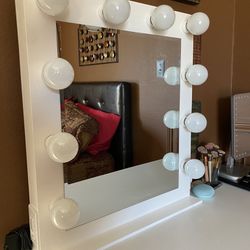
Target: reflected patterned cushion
{"points": [[79, 124]]}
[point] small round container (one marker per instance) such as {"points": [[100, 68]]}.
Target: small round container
{"points": [[203, 191]]}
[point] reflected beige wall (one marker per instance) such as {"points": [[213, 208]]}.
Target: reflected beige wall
{"points": [[151, 96]]}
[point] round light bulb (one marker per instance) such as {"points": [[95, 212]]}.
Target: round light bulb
{"points": [[52, 7], [194, 168], [196, 122], [170, 161], [65, 214], [198, 23], [62, 147], [116, 11], [58, 74], [163, 17], [172, 76], [171, 119], [196, 74]]}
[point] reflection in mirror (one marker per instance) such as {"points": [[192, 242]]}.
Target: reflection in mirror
{"points": [[115, 109]]}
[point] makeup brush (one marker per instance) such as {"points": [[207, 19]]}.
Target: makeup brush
{"points": [[202, 150], [221, 152], [214, 154], [211, 146], [210, 169], [206, 168]]}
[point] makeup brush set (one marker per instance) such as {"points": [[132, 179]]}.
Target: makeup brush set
{"points": [[211, 155]]}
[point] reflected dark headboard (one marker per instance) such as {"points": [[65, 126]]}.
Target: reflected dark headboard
{"points": [[112, 97]]}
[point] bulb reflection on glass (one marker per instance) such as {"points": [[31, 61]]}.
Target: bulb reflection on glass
{"points": [[170, 161], [171, 119], [172, 76]]}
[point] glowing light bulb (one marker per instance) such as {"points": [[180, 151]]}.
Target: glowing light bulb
{"points": [[196, 74], [198, 23], [65, 214], [163, 17], [194, 168], [58, 74], [62, 147], [116, 11], [196, 122]]}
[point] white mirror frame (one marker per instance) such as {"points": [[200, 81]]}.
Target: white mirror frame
{"points": [[37, 45]]}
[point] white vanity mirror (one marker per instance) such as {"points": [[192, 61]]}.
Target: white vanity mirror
{"points": [[90, 219], [150, 97]]}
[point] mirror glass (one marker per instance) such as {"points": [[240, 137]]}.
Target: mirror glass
{"points": [[101, 55]]}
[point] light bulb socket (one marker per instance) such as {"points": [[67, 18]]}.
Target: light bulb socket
{"points": [[184, 26]]}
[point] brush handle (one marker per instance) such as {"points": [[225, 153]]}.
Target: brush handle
{"points": [[210, 170], [206, 169]]}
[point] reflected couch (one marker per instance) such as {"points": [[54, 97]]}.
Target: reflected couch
{"points": [[110, 97]]}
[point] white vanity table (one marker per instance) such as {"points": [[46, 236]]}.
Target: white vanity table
{"points": [[221, 223]]}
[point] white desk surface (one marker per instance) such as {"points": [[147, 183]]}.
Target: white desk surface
{"points": [[222, 223]]}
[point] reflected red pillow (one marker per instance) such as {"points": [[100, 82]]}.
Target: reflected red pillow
{"points": [[108, 124]]}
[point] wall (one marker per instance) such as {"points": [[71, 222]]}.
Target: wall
{"points": [[217, 55], [241, 48], [13, 177]]}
